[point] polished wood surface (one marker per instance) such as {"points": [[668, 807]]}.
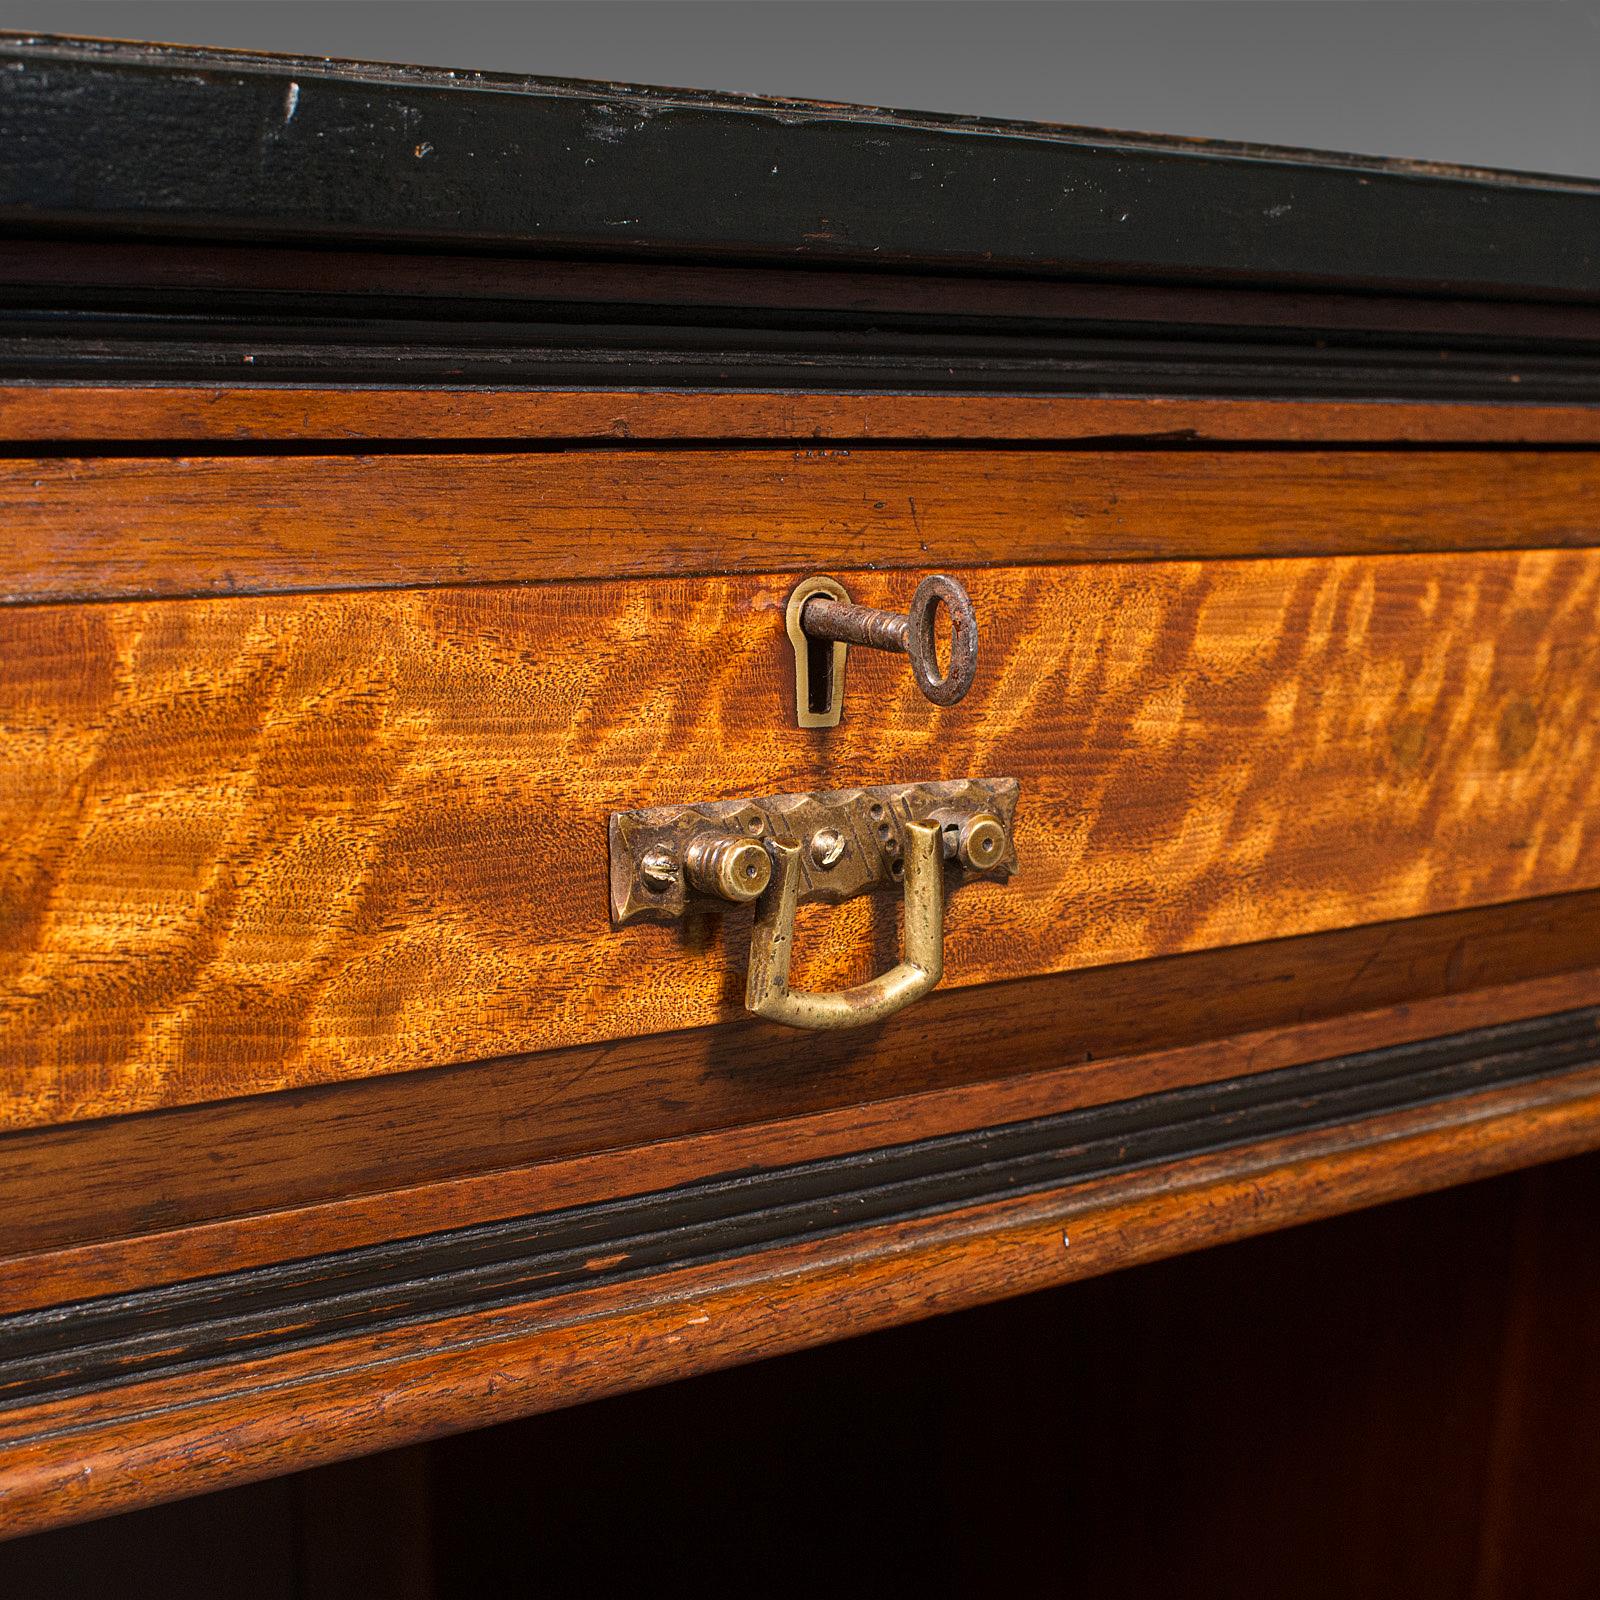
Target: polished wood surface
{"points": [[90, 1454], [347, 590], [1362, 1404], [169, 415], [118, 1203], [259, 843], [122, 1204], [146, 1244], [98, 528], [1318, 1414]]}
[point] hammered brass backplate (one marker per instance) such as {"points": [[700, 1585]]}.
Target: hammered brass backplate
{"points": [[849, 842]]}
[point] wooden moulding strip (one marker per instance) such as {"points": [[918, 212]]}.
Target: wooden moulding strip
{"points": [[51, 1276], [221, 415], [1078, 1038], [724, 178], [368, 282], [140, 527], [91, 1454], [110, 1340]]}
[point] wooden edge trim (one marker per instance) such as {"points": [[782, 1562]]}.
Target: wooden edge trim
{"points": [[149, 414], [162, 526], [192, 1324], [723, 177], [158, 274], [70, 1460], [116, 1266]]}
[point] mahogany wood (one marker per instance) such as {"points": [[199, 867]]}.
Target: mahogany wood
{"points": [[168, 1328], [1306, 1414], [215, 1188], [261, 843], [104, 416], [352, 1218], [334, 1116], [145, 527], [1328, 1398], [1540, 1530], [87, 1455]]}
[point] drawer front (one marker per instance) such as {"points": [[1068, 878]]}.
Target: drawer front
{"points": [[270, 841]]}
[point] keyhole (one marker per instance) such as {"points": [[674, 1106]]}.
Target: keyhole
{"points": [[819, 673]]}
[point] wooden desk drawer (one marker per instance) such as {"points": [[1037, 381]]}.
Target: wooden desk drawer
{"points": [[266, 841], [309, 761], [381, 519]]}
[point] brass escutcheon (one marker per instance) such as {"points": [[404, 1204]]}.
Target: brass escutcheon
{"points": [[823, 623]]}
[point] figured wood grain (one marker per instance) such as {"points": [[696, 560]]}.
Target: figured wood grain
{"points": [[259, 843], [91, 528], [250, 1163], [65, 1460], [128, 413]]}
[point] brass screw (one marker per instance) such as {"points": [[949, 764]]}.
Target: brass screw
{"points": [[827, 847], [982, 842], [658, 869]]}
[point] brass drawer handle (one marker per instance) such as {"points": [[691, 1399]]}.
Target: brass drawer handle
{"points": [[772, 944], [832, 846], [823, 622]]}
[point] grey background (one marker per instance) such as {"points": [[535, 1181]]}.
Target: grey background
{"points": [[1505, 83]]}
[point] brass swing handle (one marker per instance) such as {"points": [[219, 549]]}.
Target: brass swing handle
{"points": [[772, 944], [831, 846]]}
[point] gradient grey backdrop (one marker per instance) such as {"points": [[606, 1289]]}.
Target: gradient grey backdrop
{"points": [[1509, 83]]}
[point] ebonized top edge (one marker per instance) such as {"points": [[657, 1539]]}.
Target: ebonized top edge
{"points": [[135, 140], [203, 57]]}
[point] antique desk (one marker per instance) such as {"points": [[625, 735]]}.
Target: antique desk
{"points": [[517, 886]]}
